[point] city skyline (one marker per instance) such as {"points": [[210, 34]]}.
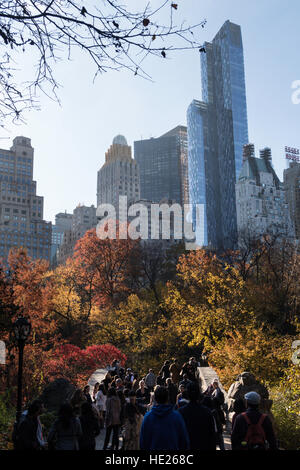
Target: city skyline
{"points": [[150, 108]]}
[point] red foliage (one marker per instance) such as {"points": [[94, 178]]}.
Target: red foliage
{"points": [[77, 364]]}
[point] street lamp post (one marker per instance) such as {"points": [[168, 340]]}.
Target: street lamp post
{"points": [[21, 328]]}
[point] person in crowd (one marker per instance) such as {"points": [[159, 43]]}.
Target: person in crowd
{"points": [[115, 367], [172, 391], [163, 428], [159, 380], [135, 383], [112, 419], [95, 391], [121, 396], [66, 430], [238, 408], [119, 385], [185, 381], [122, 373], [218, 400], [90, 427], [76, 401], [133, 421], [211, 404], [129, 377], [150, 380], [175, 372], [253, 430], [107, 380], [182, 397], [199, 421], [190, 368], [165, 371], [29, 434], [143, 394], [126, 394], [86, 393], [101, 404], [220, 421], [217, 392]]}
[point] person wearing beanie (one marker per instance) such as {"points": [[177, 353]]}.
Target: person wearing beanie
{"points": [[253, 430]]}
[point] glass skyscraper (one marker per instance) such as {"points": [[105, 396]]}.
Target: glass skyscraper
{"points": [[217, 132], [163, 166]]}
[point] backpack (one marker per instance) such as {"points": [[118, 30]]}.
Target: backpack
{"points": [[255, 437]]}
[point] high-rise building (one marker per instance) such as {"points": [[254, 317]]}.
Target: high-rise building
{"points": [[63, 222], [163, 166], [119, 176], [21, 210], [83, 219], [217, 132], [291, 178], [261, 200]]}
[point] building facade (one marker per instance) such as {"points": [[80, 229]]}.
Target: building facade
{"points": [[261, 200], [63, 222], [163, 166], [291, 178], [21, 210], [217, 132], [119, 176], [83, 219]]}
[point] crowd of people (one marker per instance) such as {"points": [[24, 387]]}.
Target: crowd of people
{"points": [[166, 411]]}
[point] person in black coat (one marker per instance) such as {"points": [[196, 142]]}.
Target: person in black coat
{"points": [[172, 391], [199, 421], [86, 392], [165, 371], [26, 438], [90, 427]]}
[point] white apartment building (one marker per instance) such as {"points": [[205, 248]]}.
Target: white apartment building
{"points": [[261, 203]]}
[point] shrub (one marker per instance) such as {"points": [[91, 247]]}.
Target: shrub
{"points": [[7, 418], [287, 421]]}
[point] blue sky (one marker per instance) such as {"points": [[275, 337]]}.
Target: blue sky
{"points": [[70, 140]]}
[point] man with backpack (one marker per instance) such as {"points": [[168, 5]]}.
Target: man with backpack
{"points": [[253, 430]]}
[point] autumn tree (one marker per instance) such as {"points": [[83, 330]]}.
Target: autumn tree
{"points": [[207, 299], [111, 264], [109, 32], [25, 291]]}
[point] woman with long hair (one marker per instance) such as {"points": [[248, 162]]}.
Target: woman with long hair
{"points": [[66, 430], [133, 422], [95, 390]]}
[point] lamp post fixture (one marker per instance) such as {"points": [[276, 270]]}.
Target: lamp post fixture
{"points": [[21, 329]]}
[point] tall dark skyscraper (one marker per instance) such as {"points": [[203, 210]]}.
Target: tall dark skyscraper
{"points": [[163, 166], [217, 132]]}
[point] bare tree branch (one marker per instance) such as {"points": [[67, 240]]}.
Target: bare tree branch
{"points": [[111, 34]]}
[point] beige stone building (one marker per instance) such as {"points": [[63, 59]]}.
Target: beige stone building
{"points": [[119, 176]]}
